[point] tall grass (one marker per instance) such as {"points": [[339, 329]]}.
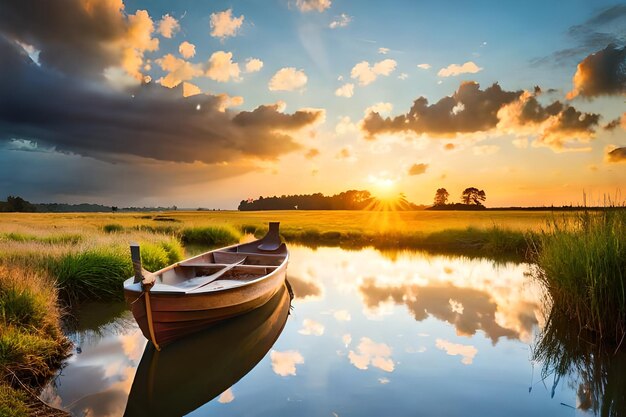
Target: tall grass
{"points": [[582, 264], [98, 273], [31, 343], [210, 235]]}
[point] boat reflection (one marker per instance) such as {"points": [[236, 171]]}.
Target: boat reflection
{"points": [[193, 371], [599, 372]]}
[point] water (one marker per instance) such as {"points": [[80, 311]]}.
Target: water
{"points": [[368, 334]]}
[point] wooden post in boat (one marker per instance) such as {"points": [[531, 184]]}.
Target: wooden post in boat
{"points": [[135, 256], [271, 241], [146, 285]]}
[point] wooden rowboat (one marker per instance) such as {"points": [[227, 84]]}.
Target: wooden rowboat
{"points": [[192, 294], [193, 371]]}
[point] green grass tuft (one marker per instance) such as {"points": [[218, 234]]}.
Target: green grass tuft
{"points": [[210, 235], [112, 228], [93, 274]]}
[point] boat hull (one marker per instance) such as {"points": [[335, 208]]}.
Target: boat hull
{"points": [[190, 373], [175, 316]]}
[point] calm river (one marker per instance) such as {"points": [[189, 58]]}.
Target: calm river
{"points": [[367, 334]]}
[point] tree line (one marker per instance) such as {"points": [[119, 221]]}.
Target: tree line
{"points": [[347, 200]]}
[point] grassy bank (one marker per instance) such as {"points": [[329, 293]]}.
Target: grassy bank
{"points": [[582, 264], [32, 345]]}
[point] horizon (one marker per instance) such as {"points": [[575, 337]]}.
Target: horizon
{"points": [[149, 103]]}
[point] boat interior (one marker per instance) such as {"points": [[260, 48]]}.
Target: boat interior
{"points": [[219, 270]]}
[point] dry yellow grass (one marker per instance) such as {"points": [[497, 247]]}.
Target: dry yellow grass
{"points": [[341, 221]]}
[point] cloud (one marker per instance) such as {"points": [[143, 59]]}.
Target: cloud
{"points": [[383, 51], [346, 90], [346, 153], [345, 126], [154, 122], [453, 70], [222, 68], [367, 74], [284, 363], [601, 73], [371, 353], [604, 28], [417, 169], [342, 315], [479, 308], [616, 155], [556, 125], [311, 328], [288, 79], [81, 38], [380, 108], [178, 70], [313, 5], [471, 110], [226, 101], [187, 50], [340, 21], [424, 66], [168, 26], [190, 89], [253, 65], [312, 153], [224, 25], [485, 150], [468, 352], [226, 396], [304, 289]]}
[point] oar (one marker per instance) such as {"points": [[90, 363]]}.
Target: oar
{"points": [[213, 277]]}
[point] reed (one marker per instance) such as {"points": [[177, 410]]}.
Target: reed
{"points": [[582, 264]]}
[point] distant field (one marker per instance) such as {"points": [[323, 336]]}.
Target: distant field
{"points": [[322, 221]]}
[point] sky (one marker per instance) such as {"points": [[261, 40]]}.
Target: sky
{"points": [[205, 104]]}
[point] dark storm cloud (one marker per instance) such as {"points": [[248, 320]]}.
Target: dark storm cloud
{"points": [[71, 37], [608, 26], [43, 175], [617, 155], [469, 109], [86, 118], [601, 73]]}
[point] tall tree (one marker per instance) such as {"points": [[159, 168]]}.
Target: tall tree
{"points": [[473, 196], [441, 197]]}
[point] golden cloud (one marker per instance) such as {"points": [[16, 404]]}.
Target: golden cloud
{"points": [[224, 25], [367, 74], [168, 26], [284, 363], [187, 50], [288, 79]]}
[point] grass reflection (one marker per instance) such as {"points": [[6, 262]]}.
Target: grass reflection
{"points": [[569, 350]]}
